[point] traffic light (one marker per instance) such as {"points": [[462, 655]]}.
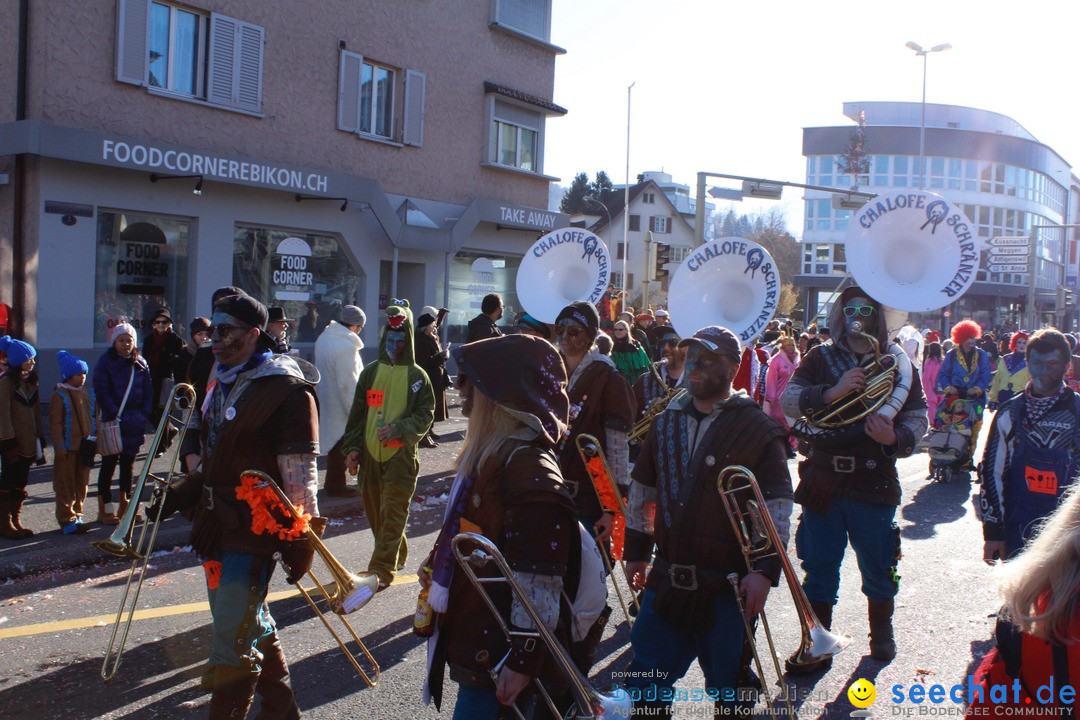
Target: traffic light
{"points": [[663, 257]]}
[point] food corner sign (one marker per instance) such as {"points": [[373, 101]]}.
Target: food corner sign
{"points": [[290, 275]]}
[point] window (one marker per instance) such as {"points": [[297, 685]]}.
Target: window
{"points": [[619, 249], [370, 104], [177, 53], [660, 224], [170, 49], [649, 198], [307, 273], [142, 264], [678, 254], [515, 136], [531, 17], [635, 223]]}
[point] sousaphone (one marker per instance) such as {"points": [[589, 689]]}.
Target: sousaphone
{"points": [[731, 282], [562, 267]]}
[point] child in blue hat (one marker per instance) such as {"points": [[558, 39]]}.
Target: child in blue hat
{"points": [[71, 421], [21, 434]]}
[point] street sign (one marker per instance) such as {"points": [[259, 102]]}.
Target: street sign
{"points": [[947, 314], [1006, 260], [1022, 240], [1009, 250], [1007, 268]]}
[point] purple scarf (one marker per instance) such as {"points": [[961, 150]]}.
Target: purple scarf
{"points": [[442, 566], [1014, 362]]}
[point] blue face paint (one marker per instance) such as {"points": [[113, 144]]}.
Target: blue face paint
{"points": [[395, 344], [1047, 372]]}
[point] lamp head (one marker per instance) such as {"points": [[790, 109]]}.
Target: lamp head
{"points": [[915, 46]]}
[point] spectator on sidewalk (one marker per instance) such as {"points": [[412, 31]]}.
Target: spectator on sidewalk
{"points": [[200, 335], [119, 367], [431, 358], [71, 421], [337, 357], [21, 435], [277, 327], [162, 349], [483, 325]]}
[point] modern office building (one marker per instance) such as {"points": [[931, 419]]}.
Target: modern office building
{"points": [[1007, 182], [346, 151]]}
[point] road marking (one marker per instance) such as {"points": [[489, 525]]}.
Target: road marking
{"points": [[148, 614]]}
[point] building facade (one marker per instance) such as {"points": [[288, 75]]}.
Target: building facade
{"points": [[345, 152], [1006, 181]]}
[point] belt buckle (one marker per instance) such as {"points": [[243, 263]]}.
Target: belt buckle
{"points": [[843, 463], [683, 577]]}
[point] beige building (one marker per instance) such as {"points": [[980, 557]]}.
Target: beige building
{"points": [[345, 151]]}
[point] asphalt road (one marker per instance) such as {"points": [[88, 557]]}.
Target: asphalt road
{"points": [[60, 597]]}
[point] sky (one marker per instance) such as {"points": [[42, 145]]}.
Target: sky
{"points": [[727, 86]]}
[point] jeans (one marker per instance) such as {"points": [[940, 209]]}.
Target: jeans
{"points": [[822, 539], [105, 472], [476, 704], [663, 652], [238, 607]]}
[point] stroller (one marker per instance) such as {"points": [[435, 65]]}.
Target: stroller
{"points": [[950, 438]]}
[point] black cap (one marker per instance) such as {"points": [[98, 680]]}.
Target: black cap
{"points": [[716, 339], [583, 313], [244, 308], [225, 291]]}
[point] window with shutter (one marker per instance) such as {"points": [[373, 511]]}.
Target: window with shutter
{"points": [[349, 91], [234, 75], [635, 223], [132, 21], [415, 88], [532, 17], [652, 223]]}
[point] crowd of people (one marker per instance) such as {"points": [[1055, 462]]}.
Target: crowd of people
{"points": [[668, 414]]}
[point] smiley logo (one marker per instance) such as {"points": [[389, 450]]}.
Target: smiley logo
{"points": [[862, 693]]}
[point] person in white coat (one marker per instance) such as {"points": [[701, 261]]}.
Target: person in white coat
{"points": [[337, 357]]}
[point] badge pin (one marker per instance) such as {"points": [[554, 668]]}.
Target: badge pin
{"points": [[230, 413], [710, 461], [871, 464], [476, 500]]}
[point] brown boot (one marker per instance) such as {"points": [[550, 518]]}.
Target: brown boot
{"points": [[122, 506], [233, 692], [824, 614], [274, 687], [882, 642], [7, 530], [107, 513], [16, 500]]}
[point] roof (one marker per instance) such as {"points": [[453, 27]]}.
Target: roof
{"points": [[614, 201]]}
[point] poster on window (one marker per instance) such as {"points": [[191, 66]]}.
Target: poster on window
{"points": [[291, 278]]}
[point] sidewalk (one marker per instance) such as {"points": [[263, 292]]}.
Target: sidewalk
{"points": [[49, 549]]}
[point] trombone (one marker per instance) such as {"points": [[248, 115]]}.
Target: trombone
{"points": [[758, 539], [588, 703], [179, 411], [611, 500], [348, 593]]}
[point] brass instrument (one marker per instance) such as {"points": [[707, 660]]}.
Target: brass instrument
{"points": [[759, 539], [178, 411], [589, 448], [641, 427], [560, 268], [588, 703], [347, 594]]}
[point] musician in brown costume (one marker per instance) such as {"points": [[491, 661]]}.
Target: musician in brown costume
{"points": [[689, 609], [849, 488], [601, 404], [260, 414], [509, 489]]}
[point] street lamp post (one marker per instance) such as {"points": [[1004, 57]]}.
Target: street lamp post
{"points": [[626, 197], [600, 203], [922, 124]]}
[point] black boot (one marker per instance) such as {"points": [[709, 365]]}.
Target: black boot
{"points": [[882, 643], [824, 614], [274, 688], [233, 692]]}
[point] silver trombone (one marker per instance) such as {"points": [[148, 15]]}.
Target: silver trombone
{"points": [[179, 412], [588, 703], [592, 455]]}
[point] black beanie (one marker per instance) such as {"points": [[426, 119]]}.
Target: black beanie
{"points": [[583, 313]]}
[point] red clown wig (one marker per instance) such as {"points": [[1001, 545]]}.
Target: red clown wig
{"points": [[1017, 337], [965, 330]]}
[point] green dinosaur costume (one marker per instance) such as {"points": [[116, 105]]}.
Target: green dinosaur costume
{"points": [[392, 392]]}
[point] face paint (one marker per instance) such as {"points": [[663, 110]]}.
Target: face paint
{"points": [[968, 345], [1047, 372], [1021, 346], [395, 345], [709, 375], [230, 347], [573, 340], [868, 323]]}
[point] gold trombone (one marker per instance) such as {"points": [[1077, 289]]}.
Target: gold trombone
{"points": [[759, 539], [588, 703], [347, 594], [178, 411], [599, 472]]}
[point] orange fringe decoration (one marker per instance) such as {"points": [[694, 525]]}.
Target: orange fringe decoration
{"points": [[265, 503], [605, 491]]}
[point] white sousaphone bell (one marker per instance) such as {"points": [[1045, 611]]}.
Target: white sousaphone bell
{"points": [[731, 282], [562, 267]]}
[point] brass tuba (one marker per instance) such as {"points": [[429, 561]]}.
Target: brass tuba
{"points": [[758, 539], [560, 268], [588, 703]]}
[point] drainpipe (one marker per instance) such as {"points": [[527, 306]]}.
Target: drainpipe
{"points": [[18, 282]]}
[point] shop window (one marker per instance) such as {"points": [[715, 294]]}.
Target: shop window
{"points": [[472, 276], [171, 49], [142, 264], [370, 104], [309, 274]]}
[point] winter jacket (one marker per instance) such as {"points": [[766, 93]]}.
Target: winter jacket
{"points": [[781, 368], [930, 369], [111, 375], [163, 359], [337, 357], [953, 372], [20, 413]]}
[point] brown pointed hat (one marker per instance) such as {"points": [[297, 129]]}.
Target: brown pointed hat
{"points": [[523, 374]]}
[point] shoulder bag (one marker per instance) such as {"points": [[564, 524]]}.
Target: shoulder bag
{"points": [[109, 441]]}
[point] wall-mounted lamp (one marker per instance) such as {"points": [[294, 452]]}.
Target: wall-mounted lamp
{"points": [[344, 201], [197, 190]]}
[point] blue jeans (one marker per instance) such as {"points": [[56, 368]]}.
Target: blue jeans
{"points": [[663, 652], [476, 703], [822, 539], [238, 607]]}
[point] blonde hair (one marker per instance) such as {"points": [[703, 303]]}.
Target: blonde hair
{"points": [[1040, 585], [489, 426]]}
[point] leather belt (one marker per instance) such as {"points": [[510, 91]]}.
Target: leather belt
{"points": [[691, 577], [846, 463]]}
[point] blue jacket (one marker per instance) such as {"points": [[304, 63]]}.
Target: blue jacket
{"points": [[110, 381], [952, 373]]}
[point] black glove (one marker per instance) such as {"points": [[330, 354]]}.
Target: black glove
{"points": [[184, 493], [297, 558]]}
